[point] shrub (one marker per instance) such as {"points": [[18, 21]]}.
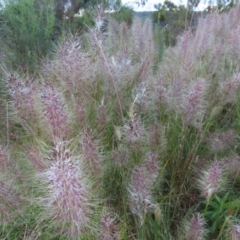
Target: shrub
{"points": [[28, 29]]}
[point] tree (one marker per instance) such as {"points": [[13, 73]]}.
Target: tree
{"points": [[124, 14], [93, 9], [71, 7], [191, 4], [172, 19]]}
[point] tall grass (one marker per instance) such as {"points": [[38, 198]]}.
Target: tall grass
{"points": [[104, 144], [27, 30]]}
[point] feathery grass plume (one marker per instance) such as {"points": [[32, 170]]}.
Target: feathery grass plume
{"points": [[229, 89], [55, 113], [140, 199], [122, 70], [233, 232], [219, 142], [183, 44], [114, 37], [186, 57], [174, 95], [119, 66], [194, 229], [142, 179], [143, 38], [9, 201], [68, 197], [214, 60], [70, 65], [23, 94], [134, 134], [4, 160], [156, 137], [99, 18], [232, 165], [91, 155], [134, 51], [208, 53], [234, 41], [142, 98], [161, 91], [9, 197], [193, 105], [109, 227], [80, 111], [139, 182], [212, 180], [120, 155], [203, 36], [36, 157], [151, 166], [107, 70]]}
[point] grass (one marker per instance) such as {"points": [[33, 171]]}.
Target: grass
{"points": [[109, 143]]}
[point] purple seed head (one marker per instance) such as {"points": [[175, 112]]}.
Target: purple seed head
{"points": [[234, 232], [212, 180], [108, 227], [68, 195], [193, 103], [90, 151], [194, 228], [55, 112]]}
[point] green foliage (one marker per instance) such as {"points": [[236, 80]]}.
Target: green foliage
{"points": [[123, 14], [173, 20], [159, 39], [27, 32], [218, 210], [226, 5], [79, 24]]}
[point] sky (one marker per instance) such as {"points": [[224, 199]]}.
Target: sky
{"points": [[149, 6]]}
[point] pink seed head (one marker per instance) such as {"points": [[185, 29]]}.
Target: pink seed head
{"points": [[36, 158], [68, 196], [140, 189], [90, 151], [120, 155], [221, 141], [55, 112], [230, 89], [234, 232], [134, 134], [22, 94], [4, 159], [194, 229], [193, 103], [151, 167], [212, 180], [232, 166], [9, 203], [108, 227]]}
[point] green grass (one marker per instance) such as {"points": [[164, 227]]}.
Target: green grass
{"points": [[115, 140]]}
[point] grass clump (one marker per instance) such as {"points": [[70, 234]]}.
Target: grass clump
{"points": [[114, 145], [27, 30]]}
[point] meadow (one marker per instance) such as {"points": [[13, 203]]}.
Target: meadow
{"points": [[107, 141]]}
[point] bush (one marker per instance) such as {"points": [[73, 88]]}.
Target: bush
{"points": [[124, 14], [27, 31]]}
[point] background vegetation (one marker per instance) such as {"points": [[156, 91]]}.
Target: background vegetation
{"points": [[110, 131]]}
